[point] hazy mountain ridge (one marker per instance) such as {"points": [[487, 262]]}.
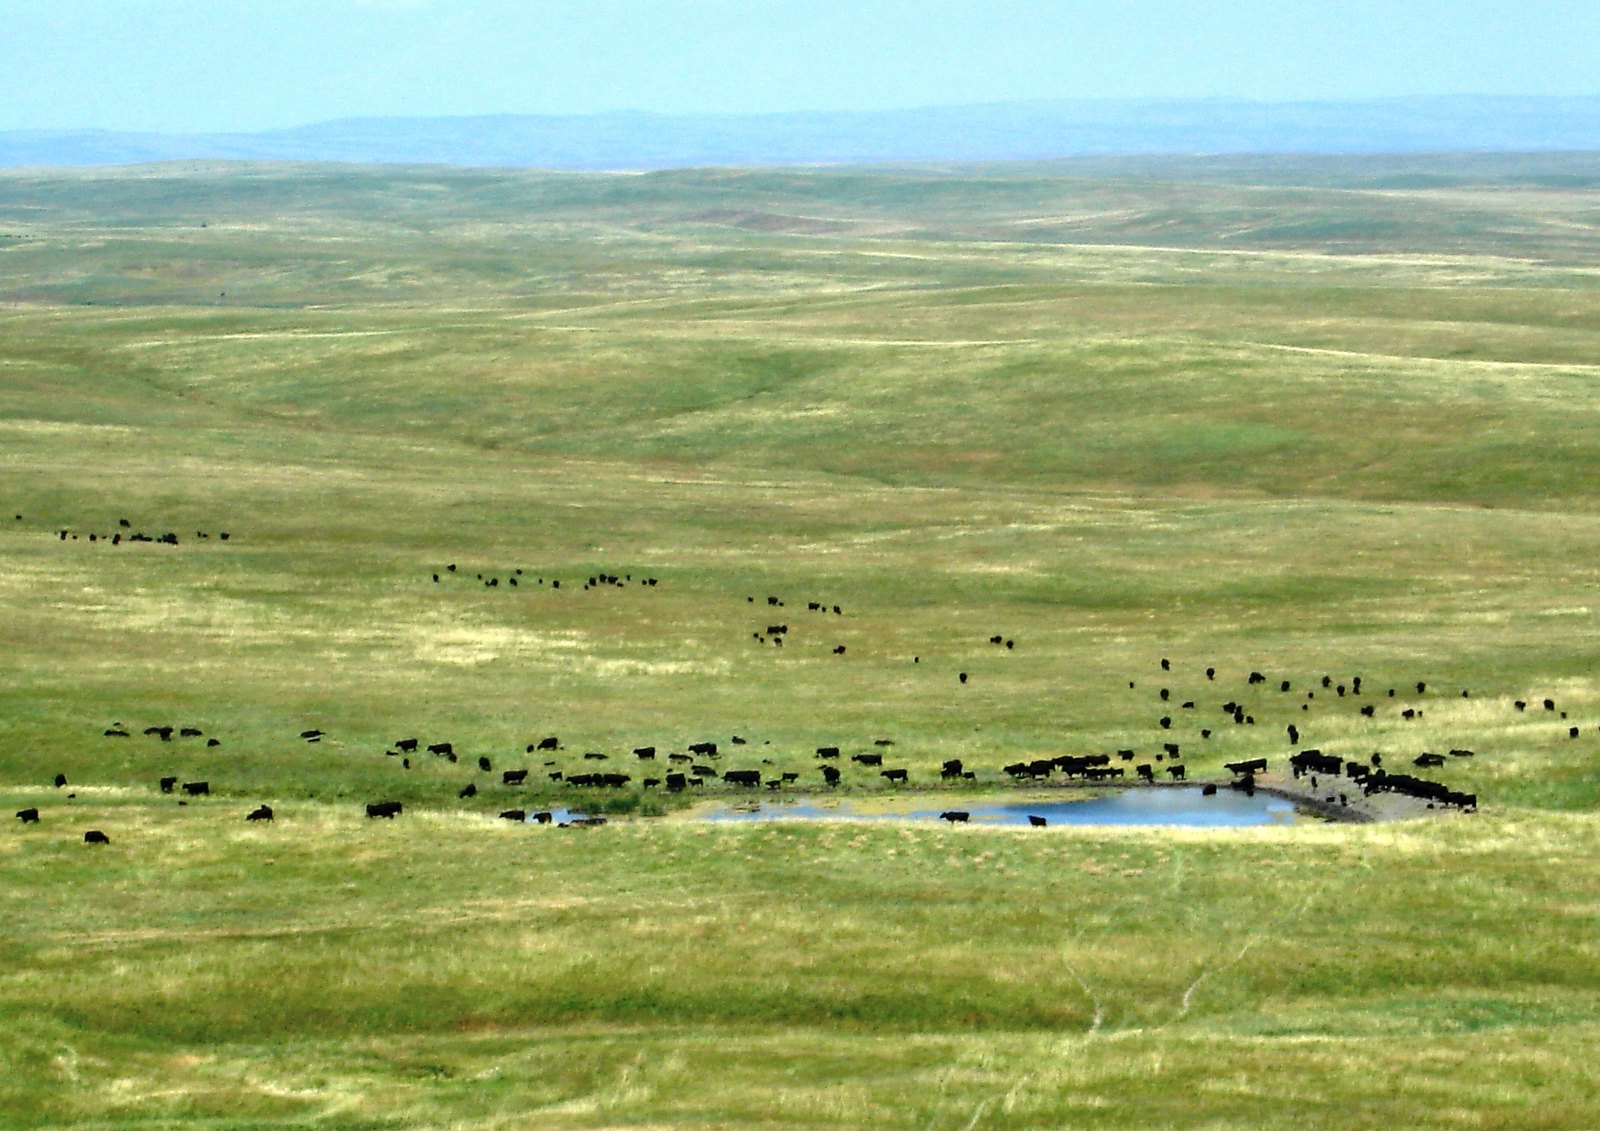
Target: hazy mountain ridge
{"points": [[994, 132]]}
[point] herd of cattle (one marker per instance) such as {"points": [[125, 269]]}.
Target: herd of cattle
{"points": [[699, 764], [1181, 721]]}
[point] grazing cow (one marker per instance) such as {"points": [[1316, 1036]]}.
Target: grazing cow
{"points": [[676, 782], [543, 817], [1294, 735], [213, 743], [1520, 705], [61, 780], [468, 790], [650, 783], [1426, 760], [1421, 687], [163, 733], [95, 836], [190, 732], [1211, 673], [827, 752], [1572, 732], [1166, 722], [1176, 772], [707, 748], [513, 777], [955, 816], [308, 735], [1037, 822], [259, 813], [1255, 678], [830, 774], [963, 677], [167, 784], [750, 778], [737, 741], [389, 810], [197, 788], [789, 777], [1251, 767], [644, 752], [838, 650], [1170, 748], [867, 759], [883, 742], [1146, 772], [996, 638], [894, 776], [679, 758], [116, 732], [1166, 664], [1459, 753], [444, 749], [29, 816], [951, 769], [1549, 704], [409, 745], [483, 764], [1125, 755], [591, 756], [514, 815], [551, 743], [1368, 711], [1166, 694]]}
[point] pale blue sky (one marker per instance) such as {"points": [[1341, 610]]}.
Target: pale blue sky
{"points": [[184, 65]]}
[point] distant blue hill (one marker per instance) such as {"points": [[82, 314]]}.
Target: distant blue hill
{"points": [[1020, 131]]}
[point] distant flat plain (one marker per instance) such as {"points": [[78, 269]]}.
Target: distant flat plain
{"points": [[1307, 417]]}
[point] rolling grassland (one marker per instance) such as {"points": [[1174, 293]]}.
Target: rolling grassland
{"points": [[1303, 417]]}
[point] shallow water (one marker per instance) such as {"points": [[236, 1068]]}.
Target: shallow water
{"points": [[1184, 805]]}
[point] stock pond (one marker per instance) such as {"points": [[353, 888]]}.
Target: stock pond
{"points": [[1180, 805]]}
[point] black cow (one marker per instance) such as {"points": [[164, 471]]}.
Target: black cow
{"points": [[484, 764], [1146, 772], [514, 815], [1253, 766], [963, 677], [513, 777], [441, 748], [386, 809], [468, 790], [116, 732], [29, 816], [95, 836], [707, 748], [894, 776], [551, 743], [1037, 822], [644, 751], [827, 752], [1426, 760], [951, 769], [308, 735], [543, 817], [190, 732], [167, 784], [259, 813], [1176, 772], [1208, 790], [830, 774], [675, 783], [955, 816], [593, 757], [868, 759], [749, 778], [409, 745], [61, 780], [197, 788], [163, 733]]}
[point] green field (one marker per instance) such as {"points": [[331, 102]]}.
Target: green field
{"points": [[1307, 417]]}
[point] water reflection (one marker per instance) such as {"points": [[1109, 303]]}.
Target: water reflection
{"points": [[1184, 805]]}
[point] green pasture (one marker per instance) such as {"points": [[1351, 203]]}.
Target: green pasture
{"points": [[1307, 417]]}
